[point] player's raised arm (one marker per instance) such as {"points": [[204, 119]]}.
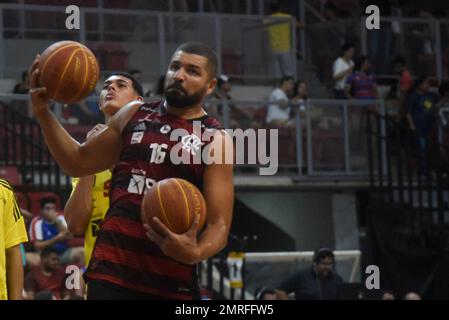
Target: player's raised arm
{"points": [[74, 158]]}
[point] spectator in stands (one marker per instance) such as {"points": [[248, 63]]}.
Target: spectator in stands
{"points": [[12, 234], [23, 86], [278, 114], [360, 84], [280, 41], [387, 295], [86, 111], [342, 68], [421, 112], [412, 296], [300, 102], [319, 282], [50, 276], [221, 98], [405, 84], [405, 77], [50, 229]]}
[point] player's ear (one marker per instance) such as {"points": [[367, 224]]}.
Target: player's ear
{"points": [[139, 98], [212, 85]]}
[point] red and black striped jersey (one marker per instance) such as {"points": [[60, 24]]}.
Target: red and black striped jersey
{"points": [[123, 255]]}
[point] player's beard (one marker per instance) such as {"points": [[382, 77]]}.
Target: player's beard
{"points": [[177, 97]]}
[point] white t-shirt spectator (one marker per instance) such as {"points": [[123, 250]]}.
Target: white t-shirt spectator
{"points": [[341, 65], [275, 112]]}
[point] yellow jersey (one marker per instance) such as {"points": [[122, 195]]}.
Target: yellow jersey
{"points": [[100, 205], [12, 230], [280, 33]]}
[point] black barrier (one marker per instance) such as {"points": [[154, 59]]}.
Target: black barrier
{"points": [[408, 231], [23, 147]]}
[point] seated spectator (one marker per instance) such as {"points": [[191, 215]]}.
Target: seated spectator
{"points": [[50, 229], [24, 86], [360, 84], [342, 69], [238, 117], [412, 296], [278, 114], [300, 97], [319, 282], [50, 276]]}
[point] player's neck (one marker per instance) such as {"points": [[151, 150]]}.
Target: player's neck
{"points": [[192, 112]]}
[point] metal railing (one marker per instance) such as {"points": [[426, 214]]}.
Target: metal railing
{"points": [[142, 39], [421, 41], [23, 146], [322, 138], [410, 170]]}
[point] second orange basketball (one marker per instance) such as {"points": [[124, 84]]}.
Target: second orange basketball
{"points": [[175, 202], [69, 71]]}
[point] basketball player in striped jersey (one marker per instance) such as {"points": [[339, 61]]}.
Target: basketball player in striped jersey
{"points": [[129, 261], [89, 201]]}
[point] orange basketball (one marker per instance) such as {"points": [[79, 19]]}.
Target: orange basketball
{"points": [[69, 70], [175, 202]]}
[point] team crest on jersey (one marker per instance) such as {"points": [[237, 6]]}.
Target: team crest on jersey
{"points": [[137, 137], [191, 143], [165, 128]]}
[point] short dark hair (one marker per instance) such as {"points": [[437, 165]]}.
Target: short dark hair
{"points": [[47, 251], [203, 50], [136, 84], [346, 46], [285, 79], [46, 200], [322, 253], [295, 89], [419, 81]]}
